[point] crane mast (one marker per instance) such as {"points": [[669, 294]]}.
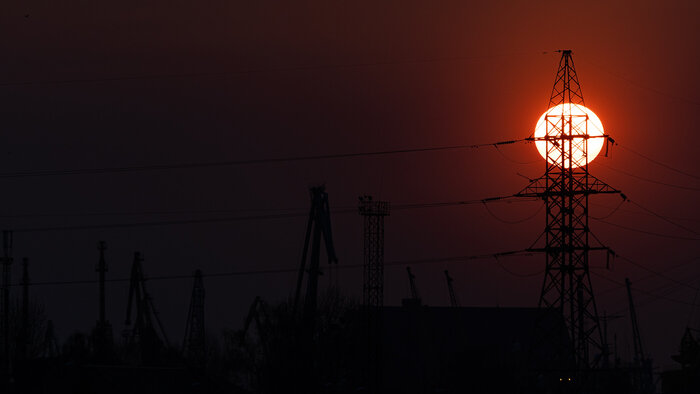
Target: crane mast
{"points": [[453, 297]]}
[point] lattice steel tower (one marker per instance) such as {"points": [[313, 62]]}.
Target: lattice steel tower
{"points": [[565, 188], [373, 213]]}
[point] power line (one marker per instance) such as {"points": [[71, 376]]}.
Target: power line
{"points": [[513, 160], [667, 166], [436, 260], [517, 275], [639, 213], [646, 277], [644, 87], [300, 211], [121, 78], [655, 297], [517, 221], [145, 213], [649, 179], [647, 232], [611, 212], [269, 216], [232, 163], [664, 218], [659, 274], [641, 291]]}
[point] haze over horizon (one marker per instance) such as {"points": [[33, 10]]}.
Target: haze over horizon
{"points": [[94, 85]]}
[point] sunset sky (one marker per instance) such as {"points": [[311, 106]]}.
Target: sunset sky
{"points": [[94, 85]]}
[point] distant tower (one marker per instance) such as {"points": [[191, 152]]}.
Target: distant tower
{"points": [[5, 299], [643, 380], [565, 188], [102, 269], [194, 345], [23, 340], [102, 338], [373, 213]]}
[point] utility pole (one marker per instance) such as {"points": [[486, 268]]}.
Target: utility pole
{"points": [[565, 188], [103, 341], [373, 213], [5, 301], [102, 269], [642, 377], [194, 343], [24, 335], [453, 297]]}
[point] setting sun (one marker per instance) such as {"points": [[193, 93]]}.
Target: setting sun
{"points": [[572, 130]]}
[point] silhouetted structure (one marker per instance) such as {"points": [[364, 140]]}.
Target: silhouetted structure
{"points": [[194, 347], [414, 298], [684, 380], [257, 313], [373, 213], [50, 346], [5, 301], [642, 377], [470, 350], [565, 187], [142, 341], [319, 224], [317, 227], [450, 288], [23, 338], [102, 336]]}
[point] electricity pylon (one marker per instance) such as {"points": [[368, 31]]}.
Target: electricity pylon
{"points": [[565, 188]]}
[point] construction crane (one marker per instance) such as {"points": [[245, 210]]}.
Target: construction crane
{"points": [[142, 338], [414, 299], [318, 225], [453, 297], [642, 377], [258, 314], [194, 344]]}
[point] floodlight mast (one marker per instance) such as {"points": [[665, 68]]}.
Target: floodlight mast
{"points": [[565, 188], [373, 213]]}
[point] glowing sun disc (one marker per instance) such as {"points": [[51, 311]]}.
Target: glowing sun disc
{"points": [[572, 120]]}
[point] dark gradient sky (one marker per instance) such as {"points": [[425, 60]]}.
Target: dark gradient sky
{"points": [[245, 80]]}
